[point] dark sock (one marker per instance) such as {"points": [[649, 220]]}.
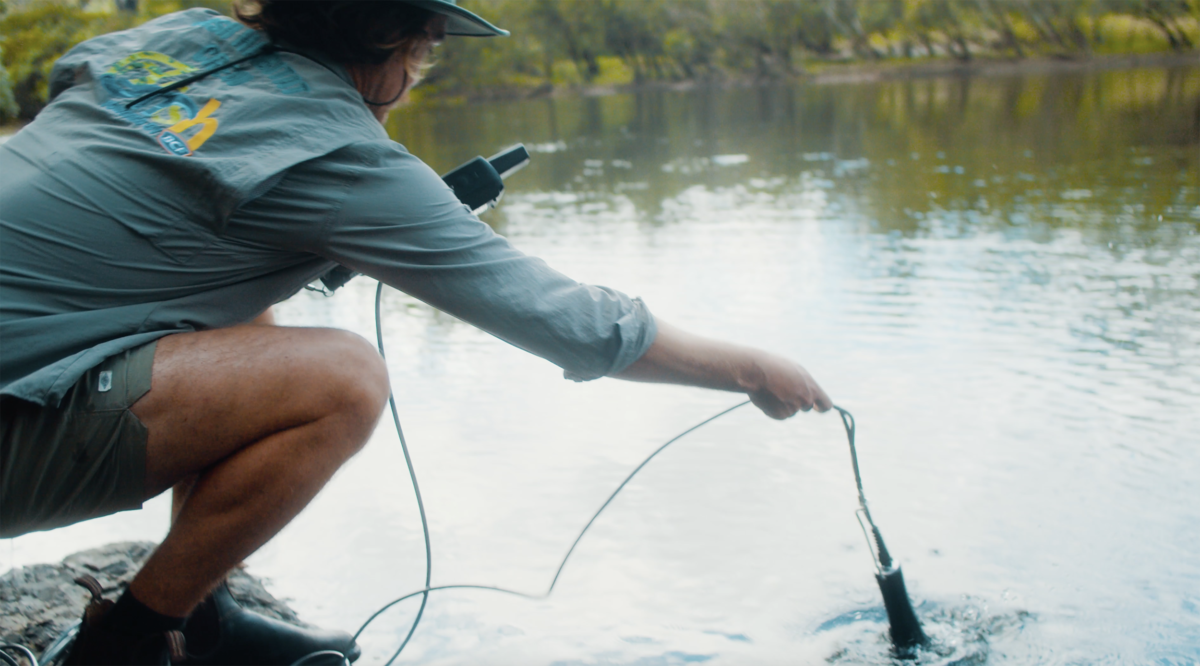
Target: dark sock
{"points": [[130, 616]]}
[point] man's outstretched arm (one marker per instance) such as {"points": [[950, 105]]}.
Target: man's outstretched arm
{"points": [[776, 385]]}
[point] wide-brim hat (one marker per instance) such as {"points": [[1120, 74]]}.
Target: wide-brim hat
{"points": [[459, 21]]}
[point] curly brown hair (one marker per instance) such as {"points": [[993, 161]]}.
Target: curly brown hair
{"points": [[352, 32]]}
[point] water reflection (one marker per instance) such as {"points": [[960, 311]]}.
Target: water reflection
{"points": [[1023, 150], [1072, 172], [1000, 271]]}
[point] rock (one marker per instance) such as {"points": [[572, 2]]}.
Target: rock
{"points": [[40, 601]]}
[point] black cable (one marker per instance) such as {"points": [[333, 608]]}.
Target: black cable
{"points": [[847, 421], [571, 550], [627, 479], [412, 474], [25, 652], [884, 558], [318, 658], [403, 89], [269, 48], [427, 589]]}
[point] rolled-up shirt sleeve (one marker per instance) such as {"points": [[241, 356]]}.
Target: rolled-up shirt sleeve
{"points": [[399, 223]]}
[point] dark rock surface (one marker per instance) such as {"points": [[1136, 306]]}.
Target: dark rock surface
{"points": [[38, 602]]}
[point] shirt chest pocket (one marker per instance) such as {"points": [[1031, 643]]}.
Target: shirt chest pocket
{"points": [[178, 220], [179, 239]]}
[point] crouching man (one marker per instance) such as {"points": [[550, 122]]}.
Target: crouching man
{"points": [[188, 174]]}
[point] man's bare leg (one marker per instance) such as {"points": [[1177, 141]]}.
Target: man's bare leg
{"points": [[179, 495], [180, 490], [261, 417]]}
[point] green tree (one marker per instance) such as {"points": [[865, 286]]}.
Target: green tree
{"points": [[571, 28], [34, 38], [1166, 15], [690, 40], [996, 16], [949, 25], [570, 42], [844, 15], [8, 104]]}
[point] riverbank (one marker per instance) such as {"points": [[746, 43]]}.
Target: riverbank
{"points": [[820, 74], [998, 67], [848, 72]]}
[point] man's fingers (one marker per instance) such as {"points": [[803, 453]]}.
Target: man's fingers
{"points": [[779, 409], [771, 406], [823, 403], [813, 396], [789, 389]]}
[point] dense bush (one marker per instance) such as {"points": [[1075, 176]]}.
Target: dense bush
{"points": [[8, 105], [714, 39], [569, 42], [35, 35]]}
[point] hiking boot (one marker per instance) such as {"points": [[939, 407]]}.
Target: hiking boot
{"points": [[222, 633], [96, 645]]}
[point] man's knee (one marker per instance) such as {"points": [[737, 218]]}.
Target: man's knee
{"points": [[217, 392], [356, 377]]}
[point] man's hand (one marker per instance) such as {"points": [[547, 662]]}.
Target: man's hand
{"points": [[776, 385], [784, 388]]}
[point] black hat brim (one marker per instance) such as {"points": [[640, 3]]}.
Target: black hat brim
{"points": [[460, 21]]}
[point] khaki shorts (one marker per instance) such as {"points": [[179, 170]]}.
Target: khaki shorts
{"points": [[83, 459]]}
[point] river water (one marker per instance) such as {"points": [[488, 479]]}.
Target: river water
{"points": [[999, 277]]}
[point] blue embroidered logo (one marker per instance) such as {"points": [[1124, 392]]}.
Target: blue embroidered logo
{"points": [[178, 123], [174, 144], [167, 116]]}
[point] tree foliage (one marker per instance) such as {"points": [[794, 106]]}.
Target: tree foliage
{"points": [[34, 37], [8, 104], [589, 42], [34, 34], [557, 42]]}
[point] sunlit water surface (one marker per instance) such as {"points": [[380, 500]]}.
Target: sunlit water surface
{"points": [[999, 277]]}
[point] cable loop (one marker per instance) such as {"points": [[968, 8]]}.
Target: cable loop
{"points": [[847, 421], [24, 652]]}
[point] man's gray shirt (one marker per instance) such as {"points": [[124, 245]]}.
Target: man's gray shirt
{"points": [[200, 207]]}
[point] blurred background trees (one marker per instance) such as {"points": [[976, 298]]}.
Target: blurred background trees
{"points": [[564, 43]]}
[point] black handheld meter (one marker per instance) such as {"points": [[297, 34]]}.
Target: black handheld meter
{"points": [[479, 183]]}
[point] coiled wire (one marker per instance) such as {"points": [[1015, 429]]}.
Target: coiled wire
{"points": [[20, 649], [847, 421]]}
